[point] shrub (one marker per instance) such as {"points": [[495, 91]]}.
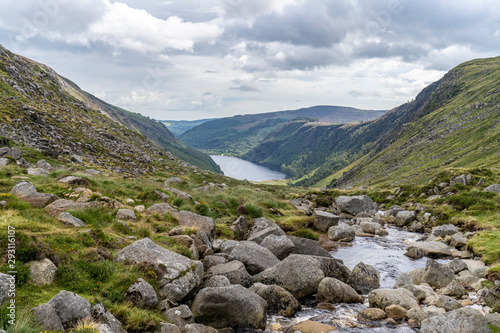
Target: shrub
{"points": [[202, 209], [254, 211], [178, 202], [242, 210], [93, 216]]}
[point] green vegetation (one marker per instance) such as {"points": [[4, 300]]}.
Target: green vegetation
{"points": [[237, 135], [179, 127]]}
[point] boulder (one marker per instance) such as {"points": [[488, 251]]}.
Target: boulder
{"points": [[228, 246], [493, 319], [370, 227], [241, 228], [404, 218], [42, 272], [201, 223], [334, 268], [331, 290], [182, 274], [457, 265], [26, 191], [280, 246], [69, 219], [342, 232], [234, 271], [73, 180], [448, 303], [4, 162], [262, 228], [159, 208], [324, 220], [279, 301], [168, 328], [492, 299], [364, 278], [429, 249], [102, 315], [179, 193], [216, 281], [180, 316], [142, 295], [403, 280], [495, 188], [38, 172], [461, 321], [382, 298], [371, 314], [126, 214], [232, 306], [70, 308], [43, 164], [255, 257], [298, 274], [198, 328], [173, 180], [437, 275], [62, 205], [444, 230], [46, 316], [309, 247], [210, 261], [356, 204], [454, 288], [77, 159], [395, 311], [310, 326]]}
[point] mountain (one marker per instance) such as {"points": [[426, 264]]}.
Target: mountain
{"points": [[451, 123], [237, 135], [179, 127], [37, 101]]}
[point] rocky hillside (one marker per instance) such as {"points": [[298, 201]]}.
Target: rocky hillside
{"points": [[44, 110], [453, 123], [237, 135]]}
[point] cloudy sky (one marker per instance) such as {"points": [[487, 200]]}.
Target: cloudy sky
{"points": [[192, 59]]}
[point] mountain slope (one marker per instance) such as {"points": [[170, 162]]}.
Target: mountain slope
{"points": [[458, 126], [50, 106], [179, 127], [237, 135], [452, 122]]}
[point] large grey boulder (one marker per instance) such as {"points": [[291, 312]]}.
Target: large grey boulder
{"points": [[42, 272], [210, 261], [168, 328], [180, 316], [280, 246], [191, 220], [334, 268], [70, 308], [364, 278], [463, 320], [234, 271], [356, 204], [46, 316], [444, 230], [160, 208], [69, 219], [37, 172], [102, 315], [62, 205], [448, 303], [343, 233], [279, 301], [198, 328], [457, 265], [493, 188], [382, 298], [458, 240], [454, 288], [324, 220], [255, 257], [126, 214], [298, 274], [43, 164], [228, 245], [429, 249], [233, 306], [404, 218], [216, 281], [437, 275], [370, 227], [332, 290], [182, 274], [26, 191], [262, 228], [142, 295], [309, 247], [241, 228]]}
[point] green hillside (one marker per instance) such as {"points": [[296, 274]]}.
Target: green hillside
{"points": [[237, 135], [179, 127]]}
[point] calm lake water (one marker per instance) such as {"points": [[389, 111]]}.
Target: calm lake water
{"points": [[240, 169]]}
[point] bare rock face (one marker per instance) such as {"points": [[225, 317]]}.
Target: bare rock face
{"points": [[182, 274], [233, 306]]}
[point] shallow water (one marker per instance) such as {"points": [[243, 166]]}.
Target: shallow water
{"points": [[240, 169], [386, 254]]}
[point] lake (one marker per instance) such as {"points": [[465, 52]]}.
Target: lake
{"points": [[240, 169]]}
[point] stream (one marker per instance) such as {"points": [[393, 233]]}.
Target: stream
{"points": [[386, 254]]}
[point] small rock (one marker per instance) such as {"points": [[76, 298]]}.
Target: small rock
{"points": [[69, 219], [126, 214], [142, 294], [371, 314], [180, 316], [395, 311], [76, 159], [334, 291], [42, 272], [309, 326]]}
